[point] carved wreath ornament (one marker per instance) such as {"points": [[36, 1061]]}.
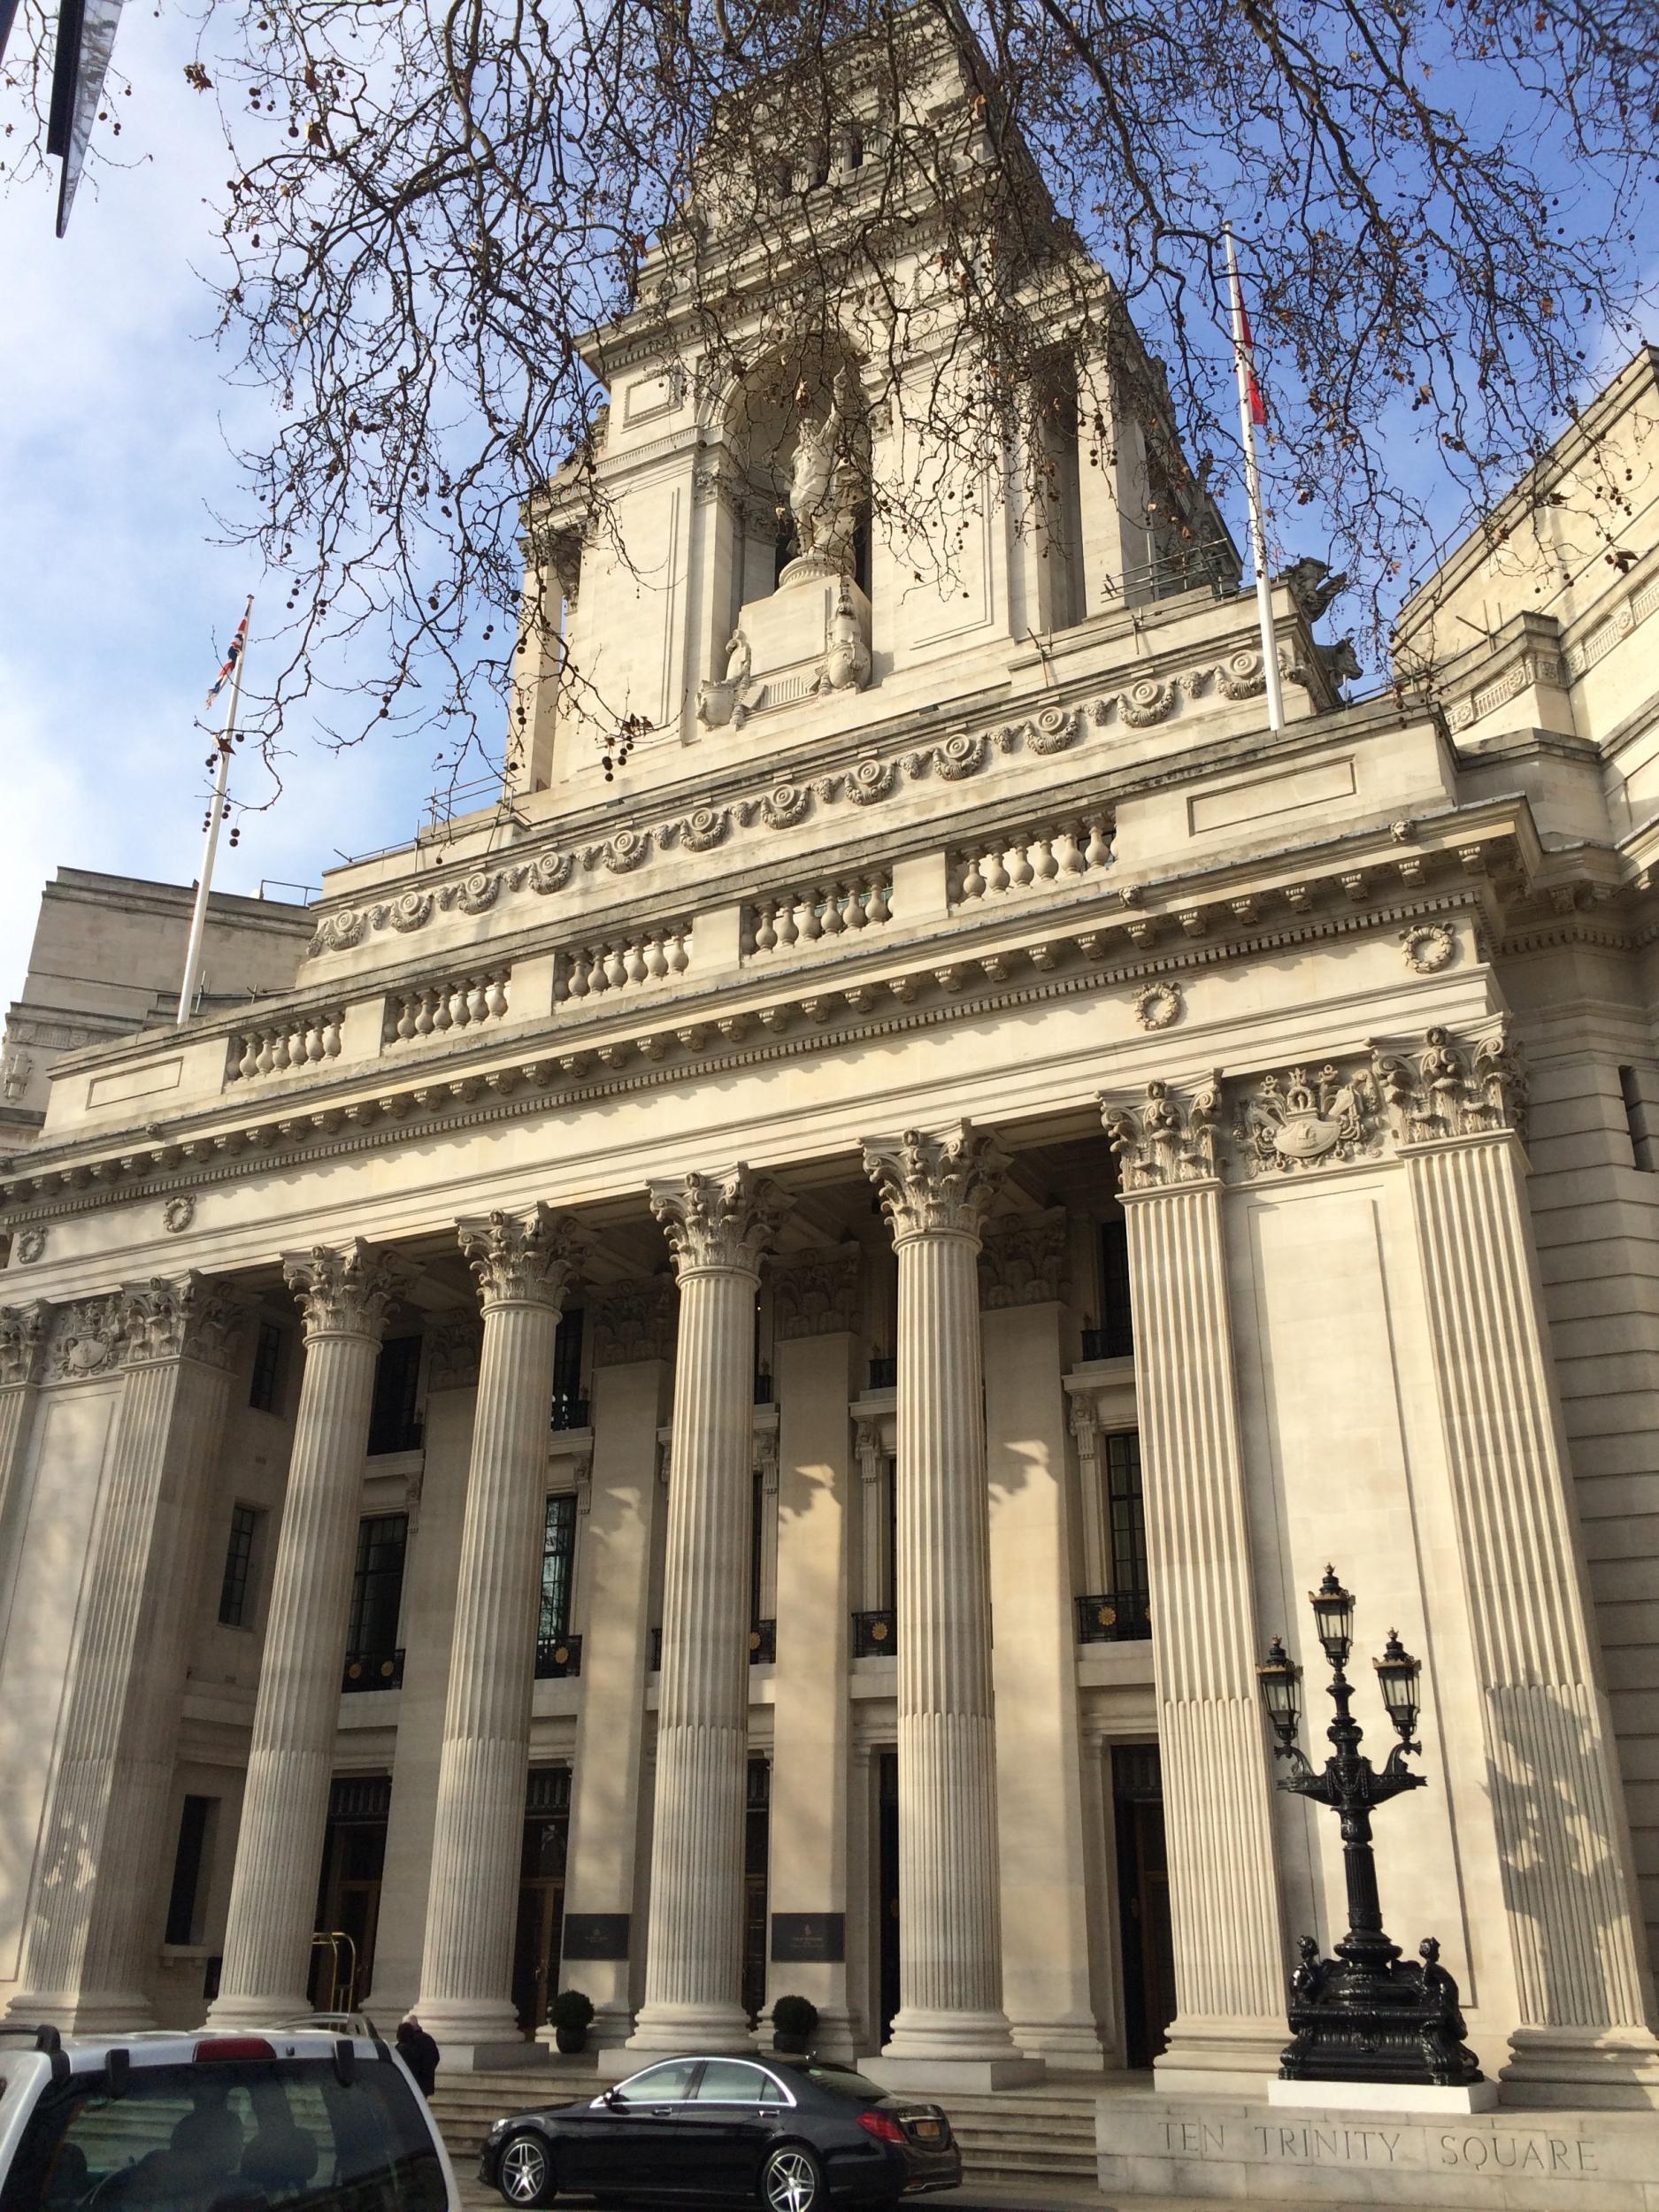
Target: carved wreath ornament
{"points": [[179, 1213], [1158, 1005], [1429, 948]]}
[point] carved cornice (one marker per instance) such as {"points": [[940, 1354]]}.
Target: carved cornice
{"points": [[939, 1183], [185, 1318], [1022, 1261], [345, 1291], [1341, 1111], [23, 1331], [721, 1221], [632, 1321], [84, 1340], [523, 1259], [816, 1294], [453, 1343]]}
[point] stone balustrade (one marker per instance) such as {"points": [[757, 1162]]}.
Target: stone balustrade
{"points": [[793, 919], [295, 1041], [623, 963], [457, 1002], [1062, 853]]}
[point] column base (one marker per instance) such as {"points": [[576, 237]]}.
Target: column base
{"points": [[490, 2031], [940, 2075], [97, 2013], [232, 2012], [834, 2037], [519, 2055], [982, 2037], [670, 2031], [1073, 2045], [1209, 2056], [1383, 2096], [1606, 2069]]}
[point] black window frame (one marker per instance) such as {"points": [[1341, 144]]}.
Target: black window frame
{"points": [[266, 1380], [1126, 1512], [190, 1858], [370, 1580], [236, 1589], [559, 1558], [394, 1423]]}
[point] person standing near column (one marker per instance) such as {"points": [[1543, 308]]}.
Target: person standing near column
{"points": [[524, 1265], [718, 1226], [950, 2031], [345, 1295]]}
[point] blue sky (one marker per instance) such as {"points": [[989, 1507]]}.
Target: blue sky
{"points": [[114, 601]]}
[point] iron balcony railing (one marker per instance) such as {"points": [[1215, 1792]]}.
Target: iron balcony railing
{"points": [[372, 1670], [1113, 1616], [569, 1413], [875, 1635], [763, 1643]]}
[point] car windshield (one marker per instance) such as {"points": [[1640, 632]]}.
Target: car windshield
{"points": [[254, 2136], [842, 2082]]}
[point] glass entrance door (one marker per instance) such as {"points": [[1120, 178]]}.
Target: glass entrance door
{"points": [[1143, 1901]]}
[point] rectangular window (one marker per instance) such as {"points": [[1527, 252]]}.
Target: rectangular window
{"points": [[235, 1592], [377, 1585], [264, 1387], [1118, 1324], [1127, 1511], [558, 1560], [195, 1827], [393, 1424], [570, 1409], [1639, 1120]]}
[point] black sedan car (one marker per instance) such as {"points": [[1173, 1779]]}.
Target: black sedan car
{"points": [[789, 2134]]}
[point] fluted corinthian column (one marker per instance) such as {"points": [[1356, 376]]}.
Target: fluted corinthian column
{"points": [[523, 1266], [1223, 1900], [344, 1296], [92, 1929], [718, 1226], [935, 1192], [1558, 1807]]}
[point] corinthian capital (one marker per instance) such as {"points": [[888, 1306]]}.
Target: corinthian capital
{"points": [[936, 1185], [184, 1318], [22, 1337], [724, 1220], [1449, 1086], [345, 1291], [814, 1294], [1167, 1140], [523, 1259]]}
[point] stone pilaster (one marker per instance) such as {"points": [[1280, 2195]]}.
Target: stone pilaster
{"points": [[1046, 1946], [717, 1226], [811, 1714], [1223, 1900], [935, 1192], [92, 1933], [22, 1344], [523, 1267], [344, 1295], [1582, 1974]]}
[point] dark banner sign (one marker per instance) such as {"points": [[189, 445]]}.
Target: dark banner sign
{"points": [[595, 1935], [809, 1938]]}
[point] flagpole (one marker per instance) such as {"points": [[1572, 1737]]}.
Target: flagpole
{"points": [[1253, 488], [215, 816]]}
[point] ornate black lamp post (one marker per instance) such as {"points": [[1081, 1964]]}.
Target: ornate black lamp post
{"points": [[1366, 2014]]}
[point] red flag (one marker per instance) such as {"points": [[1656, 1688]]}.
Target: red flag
{"points": [[1246, 352]]}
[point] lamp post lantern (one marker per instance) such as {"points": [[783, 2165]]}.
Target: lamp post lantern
{"points": [[1366, 2014]]}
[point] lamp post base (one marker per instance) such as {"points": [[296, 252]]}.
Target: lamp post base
{"points": [[1370, 2016]]}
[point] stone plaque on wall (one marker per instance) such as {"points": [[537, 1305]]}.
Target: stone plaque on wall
{"points": [[595, 1935], [809, 1938]]}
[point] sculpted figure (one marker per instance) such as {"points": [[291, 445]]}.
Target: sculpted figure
{"points": [[825, 485]]}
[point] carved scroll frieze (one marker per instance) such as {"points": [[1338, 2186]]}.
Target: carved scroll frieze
{"points": [[1022, 1261], [934, 1183], [453, 1343], [185, 1318], [633, 1320], [23, 1333], [816, 1294], [724, 1220]]}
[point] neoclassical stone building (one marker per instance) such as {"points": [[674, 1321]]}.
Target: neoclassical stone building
{"points": [[723, 1397]]}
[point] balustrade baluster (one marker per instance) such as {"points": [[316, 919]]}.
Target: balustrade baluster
{"points": [[855, 916], [880, 909], [1071, 860], [496, 996], [1047, 866], [1098, 852], [996, 873], [633, 968], [679, 953], [973, 881], [1021, 874]]}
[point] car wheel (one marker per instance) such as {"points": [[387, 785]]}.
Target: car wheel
{"points": [[791, 2180], [523, 2172]]}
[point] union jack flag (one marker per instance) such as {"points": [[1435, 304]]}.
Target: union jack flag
{"points": [[231, 659]]}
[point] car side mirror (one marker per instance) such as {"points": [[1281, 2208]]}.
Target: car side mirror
{"points": [[613, 2097]]}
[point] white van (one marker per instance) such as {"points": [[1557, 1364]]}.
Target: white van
{"points": [[207, 2123]]}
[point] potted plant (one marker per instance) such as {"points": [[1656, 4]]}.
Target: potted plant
{"points": [[794, 2024], [572, 2014]]}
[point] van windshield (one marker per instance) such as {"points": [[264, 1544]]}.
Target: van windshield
{"points": [[277, 2135]]}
